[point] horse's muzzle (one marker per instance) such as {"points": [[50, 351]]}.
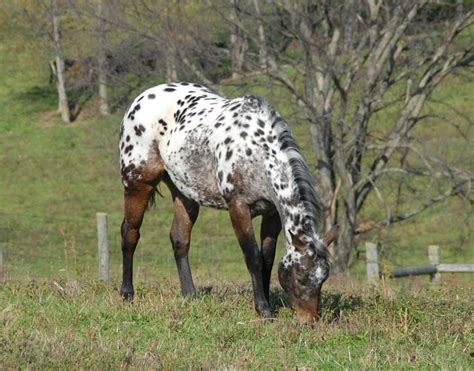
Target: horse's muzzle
{"points": [[308, 311]]}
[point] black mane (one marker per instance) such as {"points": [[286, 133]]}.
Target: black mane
{"points": [[304, 189]]}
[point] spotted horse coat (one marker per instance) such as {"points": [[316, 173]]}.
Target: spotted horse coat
{"points": [[235, 154]]}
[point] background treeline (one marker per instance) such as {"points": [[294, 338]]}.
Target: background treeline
{"points": [[129, 43]]}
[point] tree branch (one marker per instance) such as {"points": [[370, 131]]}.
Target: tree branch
{"points": [[432, 76], [391, 219]]}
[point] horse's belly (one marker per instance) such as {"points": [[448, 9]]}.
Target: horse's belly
{"points": [[201, 174], [193, 173], [194, 188]]}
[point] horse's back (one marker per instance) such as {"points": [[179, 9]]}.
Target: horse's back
{"points": [[212, 148]]}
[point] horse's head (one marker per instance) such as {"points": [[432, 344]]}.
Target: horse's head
{"points": [[303, 274]]}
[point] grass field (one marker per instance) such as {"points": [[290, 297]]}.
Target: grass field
{"points": [[71, 324], [54, 178]]}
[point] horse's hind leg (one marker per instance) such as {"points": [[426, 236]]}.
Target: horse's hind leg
{"points": [[185, 214], [269, 231], [242, 223], [136, 201]]}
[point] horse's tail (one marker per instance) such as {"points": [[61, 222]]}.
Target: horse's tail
{"points": [[156, 191]]}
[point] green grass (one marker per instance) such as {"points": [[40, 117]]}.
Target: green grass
{"points": [[66, 324]]}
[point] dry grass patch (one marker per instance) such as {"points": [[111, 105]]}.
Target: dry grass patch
{"points": [[64, 324]]}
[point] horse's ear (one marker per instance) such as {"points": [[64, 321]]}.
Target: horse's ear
{"points": [[299, 244]]}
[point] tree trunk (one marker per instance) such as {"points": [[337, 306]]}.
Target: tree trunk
{"points": [[238, 42], [60, 81], [348, 25], [171, 70], [347, 222], [263, 53], [460, 7], [101, 62]]}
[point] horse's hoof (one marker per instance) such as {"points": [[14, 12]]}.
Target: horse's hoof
{"points": [[127, 295], [266, 314], [189, 293]]}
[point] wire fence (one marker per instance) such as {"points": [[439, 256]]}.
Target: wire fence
{"points": [[42, 246]]}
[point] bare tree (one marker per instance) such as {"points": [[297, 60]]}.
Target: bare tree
{"points": [[170, 40], [171, 69], [48, 30], [171, 21], [101, 59], [58, 66], [354, 59], [238, 40], [262, 53]]}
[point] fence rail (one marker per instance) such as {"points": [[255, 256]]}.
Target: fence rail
{"points": [[434, 269], [374, 272], [415, 271]]}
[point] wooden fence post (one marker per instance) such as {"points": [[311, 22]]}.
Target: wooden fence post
{"points": [[2, 273], [103, 244], [433, 256], [3, 240], [372, 259]]}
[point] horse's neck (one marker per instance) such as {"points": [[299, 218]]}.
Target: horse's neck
{"points": [[293, 213], [296, 202], [293, 217]]}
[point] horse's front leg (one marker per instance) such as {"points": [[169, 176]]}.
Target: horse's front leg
{"points": [[242, 223], [136, 201], [269, 231], [185, 214]]}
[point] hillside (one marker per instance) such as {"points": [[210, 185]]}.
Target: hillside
{"points": [[55, 177]]}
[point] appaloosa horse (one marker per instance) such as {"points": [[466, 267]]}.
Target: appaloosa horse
{"points": [[235, 154]]}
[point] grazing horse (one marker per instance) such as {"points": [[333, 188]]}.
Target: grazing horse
{"points": [[233, 154]]}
